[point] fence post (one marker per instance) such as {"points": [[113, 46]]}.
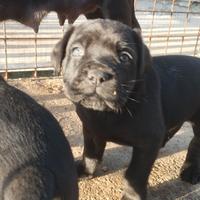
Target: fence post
{"points": [[197, 42], [36, 59], [5, 51]]}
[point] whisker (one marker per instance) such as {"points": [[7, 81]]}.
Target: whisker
{"points": [[136, 80], [125, 85], [133, 100], [120, 110], [128, 92], [129, 112], [125, 92]]}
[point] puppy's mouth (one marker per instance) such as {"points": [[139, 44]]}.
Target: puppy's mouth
{"points": [[101, 99], [98, 87], [97, 102]]}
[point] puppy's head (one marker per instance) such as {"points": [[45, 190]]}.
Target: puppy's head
{"points": [[102, 62]]}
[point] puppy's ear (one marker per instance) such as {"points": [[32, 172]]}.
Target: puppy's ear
{"points": [[144, 56], [138, 31], [59, 51], [145, 60]]}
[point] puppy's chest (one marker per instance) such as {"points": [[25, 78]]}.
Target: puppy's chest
{"points": [[115, 128]]}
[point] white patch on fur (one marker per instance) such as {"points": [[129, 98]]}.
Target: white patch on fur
{"points": [[91, 165], [130, 193]]}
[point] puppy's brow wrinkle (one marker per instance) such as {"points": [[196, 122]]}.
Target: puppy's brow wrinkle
{"points": [[126, 43]]}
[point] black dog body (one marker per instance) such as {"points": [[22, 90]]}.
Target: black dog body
{"points": [[124, 96], [31, 12], [179, 76], [36, 161]]}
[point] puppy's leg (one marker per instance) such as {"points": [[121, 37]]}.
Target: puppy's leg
{"points": [[95, 15], [92, 154], [66, 196], [138, 172], [190, 171]]}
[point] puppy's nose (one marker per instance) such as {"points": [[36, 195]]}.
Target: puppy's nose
{"points": [[98, 77]]}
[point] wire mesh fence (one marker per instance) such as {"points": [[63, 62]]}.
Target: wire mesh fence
{"points": [[168, 27]]}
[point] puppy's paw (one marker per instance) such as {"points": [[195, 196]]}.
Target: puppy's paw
{"points": [[130, 193], [127, 197], [82, 171], [190, 173]]}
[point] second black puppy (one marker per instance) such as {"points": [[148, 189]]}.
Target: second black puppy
{"points": [[123, 95], [36, 161]]}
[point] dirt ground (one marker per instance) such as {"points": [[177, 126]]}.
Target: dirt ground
{"points": [[164, 182]]}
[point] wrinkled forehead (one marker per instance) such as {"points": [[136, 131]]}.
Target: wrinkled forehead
{"points": [[104, 32]]}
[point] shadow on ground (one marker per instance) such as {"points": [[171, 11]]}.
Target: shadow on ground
{"points": [[174, 190]]}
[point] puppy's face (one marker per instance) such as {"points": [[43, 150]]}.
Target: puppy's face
{"points": [[102, 62]]}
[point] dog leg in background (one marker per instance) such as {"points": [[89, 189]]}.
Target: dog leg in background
{"points": [[31, 13], [121, 10], [135, 23], [96, 14], [191, 169]]}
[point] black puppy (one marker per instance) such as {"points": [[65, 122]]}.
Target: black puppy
{"points": [[31, 12], [36, 162], [124, 96]]}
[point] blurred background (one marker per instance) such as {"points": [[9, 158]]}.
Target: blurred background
{"points": [[168, 27]]}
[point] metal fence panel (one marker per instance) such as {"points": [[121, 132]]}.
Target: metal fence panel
{"points": [[168, 27]]}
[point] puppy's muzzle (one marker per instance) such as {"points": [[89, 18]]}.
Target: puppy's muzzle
{"points": [[98, 77]]}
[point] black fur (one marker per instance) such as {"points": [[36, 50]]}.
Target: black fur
{"points": [[31, 12], [36, 162], [121, 10], [125, 96]]}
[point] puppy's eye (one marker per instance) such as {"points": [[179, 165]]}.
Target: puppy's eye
{"points": [[125, 57], [77, 51]]}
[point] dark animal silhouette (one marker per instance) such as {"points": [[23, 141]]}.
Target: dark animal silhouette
{"points": [[31, 12], [124, 95], [36, 161]]}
